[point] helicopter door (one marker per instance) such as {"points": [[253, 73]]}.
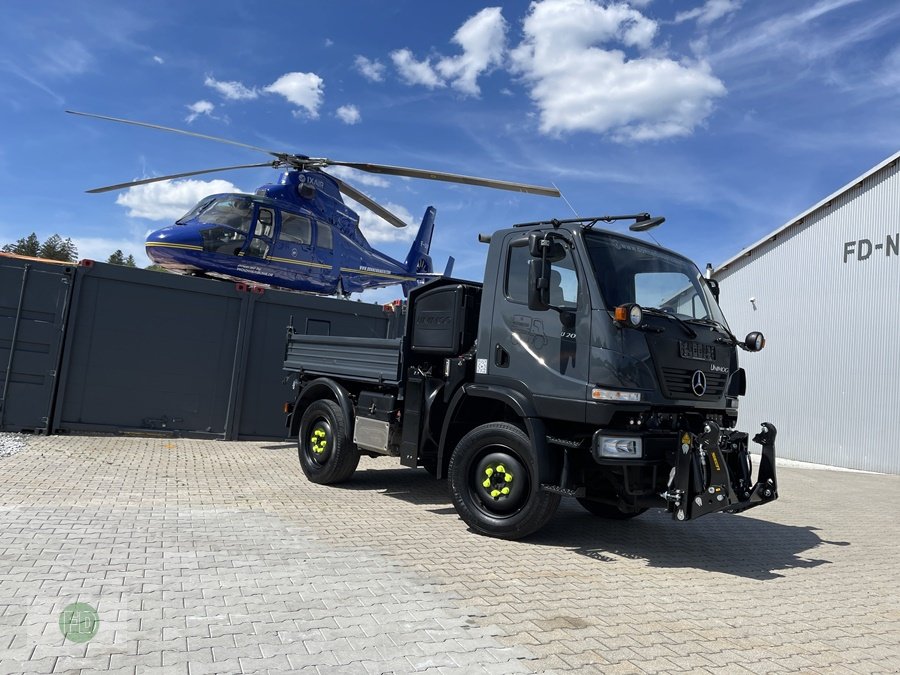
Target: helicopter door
{"points": [[294, 244], [325, 245], [262, 234]]}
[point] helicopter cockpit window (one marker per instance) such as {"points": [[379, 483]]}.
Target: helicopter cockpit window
{"points": [[194, 212], [324, 236], [236, 212], [295, 229]]}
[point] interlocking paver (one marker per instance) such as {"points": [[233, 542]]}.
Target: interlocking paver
{"points": [[210, 557]]}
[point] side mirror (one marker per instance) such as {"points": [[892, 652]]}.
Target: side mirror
{"points": [[543, 246], [538, 285], [713, 287]]}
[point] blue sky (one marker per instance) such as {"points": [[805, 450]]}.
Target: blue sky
{"points": [[727, 116]]}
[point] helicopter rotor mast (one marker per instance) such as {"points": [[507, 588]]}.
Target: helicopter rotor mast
{"points": [[305, 163]]}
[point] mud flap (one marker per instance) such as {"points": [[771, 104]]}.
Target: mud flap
{"points": [[712, 473]]}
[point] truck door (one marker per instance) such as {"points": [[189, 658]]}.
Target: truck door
{"points": [[542, 353]]}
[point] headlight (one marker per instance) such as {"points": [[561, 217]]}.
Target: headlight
{"points": [[617, 447], [599, 394], [632, 314]]}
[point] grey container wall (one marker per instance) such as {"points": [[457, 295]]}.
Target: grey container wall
{"points": [[829, 377], [34, 298], [147, 352]]}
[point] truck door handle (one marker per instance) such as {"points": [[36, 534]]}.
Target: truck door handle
{"points": [[501, 356]]}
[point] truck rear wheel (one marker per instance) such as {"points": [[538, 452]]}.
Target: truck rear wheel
{"points": [[493, 482], [607, 510], [327, 455]]}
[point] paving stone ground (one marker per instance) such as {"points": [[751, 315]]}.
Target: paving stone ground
{"points": [[207, 556]]}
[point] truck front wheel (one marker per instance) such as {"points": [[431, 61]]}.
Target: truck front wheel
{"points": [[327, 455], [493, 482]]}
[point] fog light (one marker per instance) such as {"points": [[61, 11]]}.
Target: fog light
{"points": [[614, 395], [619, 448]]}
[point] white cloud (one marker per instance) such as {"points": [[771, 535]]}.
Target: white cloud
{"points": [[371, 70], [349, 114], [302, 89], [711, 10], [201, 107], [328, 42], [65, 57], [354, 177], [379, 231], [578, 85], [416, 72], [169, 200], [158, 59], [483, 40], [232, 90]]}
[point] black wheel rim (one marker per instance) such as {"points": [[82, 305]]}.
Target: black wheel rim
{"points": [[319, 441], [499, 483]]}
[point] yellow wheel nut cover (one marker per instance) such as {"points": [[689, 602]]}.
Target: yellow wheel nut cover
{"points": [[501, 469], [487, 483], [495, 493], [505, 491], [508, 478]]}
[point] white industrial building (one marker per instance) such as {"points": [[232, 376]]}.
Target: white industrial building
{"points": [[824, 288]]}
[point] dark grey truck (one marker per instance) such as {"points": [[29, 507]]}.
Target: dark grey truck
{"points": [[588, 364]]}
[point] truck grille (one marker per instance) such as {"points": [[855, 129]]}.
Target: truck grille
{"points": [[677, 383]]}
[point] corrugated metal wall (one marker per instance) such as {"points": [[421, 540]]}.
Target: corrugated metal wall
{"points": [[829, 378]]}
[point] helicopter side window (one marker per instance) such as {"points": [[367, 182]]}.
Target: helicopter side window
{"points": [[295, 229], [324, 239], [262, 239]]}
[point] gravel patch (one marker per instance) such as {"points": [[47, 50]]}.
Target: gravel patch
{"points": [[10, 444]]}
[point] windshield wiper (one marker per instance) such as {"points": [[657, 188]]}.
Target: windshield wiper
{"points": [[681, 322], [721, 326]]}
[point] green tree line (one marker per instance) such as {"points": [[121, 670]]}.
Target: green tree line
{"points": [[57, 248]]}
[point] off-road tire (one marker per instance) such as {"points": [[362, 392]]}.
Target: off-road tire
{"points": [[478, 493], [608, 511], [327, 455]]}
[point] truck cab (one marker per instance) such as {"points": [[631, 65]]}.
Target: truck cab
{"points": [[588, 364]]}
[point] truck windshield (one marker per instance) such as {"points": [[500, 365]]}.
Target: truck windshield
{"points": [[631, 271]]}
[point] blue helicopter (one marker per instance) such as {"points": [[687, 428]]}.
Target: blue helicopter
{"points": [[298, 233]]}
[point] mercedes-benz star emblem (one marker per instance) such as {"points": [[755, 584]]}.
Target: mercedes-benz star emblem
{"points": [[698, 383]]}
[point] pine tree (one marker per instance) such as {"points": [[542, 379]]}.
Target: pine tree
{"points": [[117, 258], [57, 248], [29, 245], [129, 261]]}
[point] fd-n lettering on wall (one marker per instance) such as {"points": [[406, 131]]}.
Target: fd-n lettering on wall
{"points": [[863, 249]]}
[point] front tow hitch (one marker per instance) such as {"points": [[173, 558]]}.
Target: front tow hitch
{"points": [[713, 473]]}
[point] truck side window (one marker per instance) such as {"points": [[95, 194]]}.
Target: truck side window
{"points": [[563, 278], [517, 271]]}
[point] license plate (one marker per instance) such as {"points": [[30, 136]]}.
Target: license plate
{"points": [[696, 351]]}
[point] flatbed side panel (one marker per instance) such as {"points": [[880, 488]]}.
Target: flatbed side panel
{"points": [[361, 359]]}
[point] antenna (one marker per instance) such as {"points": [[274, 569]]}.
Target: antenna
{"points": [[566, 200]]}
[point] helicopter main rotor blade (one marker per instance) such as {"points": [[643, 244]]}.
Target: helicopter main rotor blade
{"points": [[368, 202], [176, 131], [448, 177], [156, 179]]}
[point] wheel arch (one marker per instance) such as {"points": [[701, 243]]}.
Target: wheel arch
{"points": [[322, 388], [473, 405]]}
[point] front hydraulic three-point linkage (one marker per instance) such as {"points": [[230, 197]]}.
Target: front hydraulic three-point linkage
{"points": [[713, 472]]}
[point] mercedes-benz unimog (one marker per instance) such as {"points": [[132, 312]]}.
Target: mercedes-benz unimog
{"points": [[587, 364]]}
